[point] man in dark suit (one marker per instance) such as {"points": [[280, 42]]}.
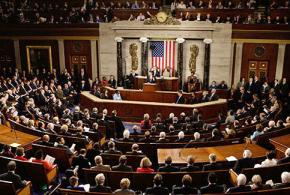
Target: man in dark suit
{"points": [[147, 138], [168, 167], [74, 184], [186, 187], [213, 96], [180, 99], [61, 144], [100, 180], [122, 166], [135, 150], [11, 176], [245, 162], [212, 187], [190, 165], [112, 149], [157, 188], [119, 127], [241, 185], [45, 141], [284, 181], [212, 163], [286, 159], [81, 162]]}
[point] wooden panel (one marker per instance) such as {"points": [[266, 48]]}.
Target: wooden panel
{"points": [[7, 55], [54, 49], [134, 110], [78, 54], [286, 67], [270, 54]]}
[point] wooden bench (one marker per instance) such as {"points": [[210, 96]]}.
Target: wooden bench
{"points": [[140, 181], [7, 188], [62, 159], [34, 172]]}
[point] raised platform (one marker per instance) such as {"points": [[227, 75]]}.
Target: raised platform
{"points": [[16, 138], [134, 110]]}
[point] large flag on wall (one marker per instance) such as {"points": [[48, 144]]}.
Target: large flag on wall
{"points": [[163, 54]]}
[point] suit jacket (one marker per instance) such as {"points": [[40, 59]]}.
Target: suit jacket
{"points": [[162, 141], [190, 168], [14, 178], [244, 163], [184, 190], [81, 161], [180, 100], [122, 167], [212, 188], [168, 168], [211, 166], [101, 188], [112, 152], [124, 192], [101, 168], [156, 190], [241, 188], [118, 126]]}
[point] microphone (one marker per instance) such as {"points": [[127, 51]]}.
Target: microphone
{"points": [[185, 146]]}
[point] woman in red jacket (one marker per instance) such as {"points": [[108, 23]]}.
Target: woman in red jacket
{"points": [[145, 165]]}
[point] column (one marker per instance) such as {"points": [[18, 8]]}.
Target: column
{"points": [[280, 61], [180, 42], [17, 54], [144, 55], [206, 63], [119, 60], [94, 59], [61, 55]]}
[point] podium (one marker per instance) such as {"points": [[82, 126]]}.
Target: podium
{"points": [[163, 83], [150, 87]]}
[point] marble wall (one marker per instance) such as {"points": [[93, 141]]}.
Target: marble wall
{"points": [[192, 32]]}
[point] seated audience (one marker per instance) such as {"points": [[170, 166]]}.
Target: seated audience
{"points": [[168, 166], [12, 176], [145, 165], [117, 95], [186, 187], [124, 188], [241, 185], [100, 187], [74, 184], [212, 186], [20, 154], [7, 152], [245, 162], [213, 165], [38, 158], [99, 165], [122, 166], [270, 161], [259, 131], [181, 137], [146, 123], [257, 183], [112, 149], [190, 165], [286, 159], [126, 136], [285, 181], [147, 138], [162, 138], [157, 187], [135, 150]]}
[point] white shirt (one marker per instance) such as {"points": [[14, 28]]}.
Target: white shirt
{"points": [[269, 163], [117, 96]]}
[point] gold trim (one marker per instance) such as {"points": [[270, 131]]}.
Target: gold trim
{"points": [[38, 47], [261, 41]]}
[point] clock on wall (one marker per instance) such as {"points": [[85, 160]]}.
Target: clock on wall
{"points": [[161, 17]]}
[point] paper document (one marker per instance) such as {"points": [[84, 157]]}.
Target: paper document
{"points": [[49, 159], [231, 158]]}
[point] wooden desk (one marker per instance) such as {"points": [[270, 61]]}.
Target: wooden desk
{"points": [[179, 155], [281, 144], [164, 84], [134, 110]]}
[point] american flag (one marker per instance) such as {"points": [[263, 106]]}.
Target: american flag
{"points": [[163, 54]]}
